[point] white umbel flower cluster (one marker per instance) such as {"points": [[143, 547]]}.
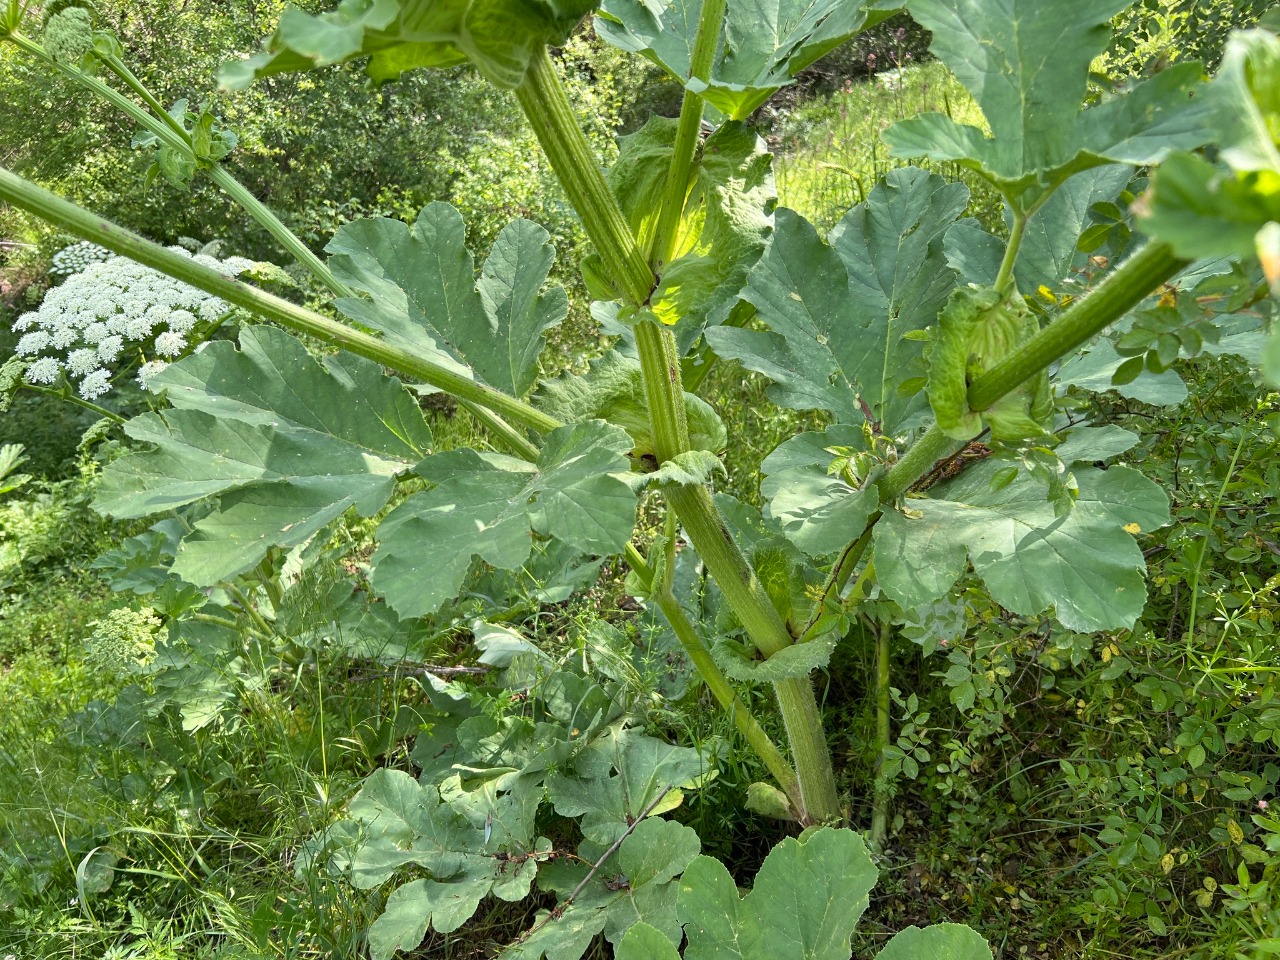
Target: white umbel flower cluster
{"points": [[76, 257], [110, 309]]}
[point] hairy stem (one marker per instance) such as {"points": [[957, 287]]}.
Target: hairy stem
{"points": [[41, 203], [880, 804], [545, 104], [549, 112]]}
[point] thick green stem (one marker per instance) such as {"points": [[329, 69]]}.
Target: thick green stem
{"points": [[548, 110], [664, 394], [547, 107], [1086, 318], [516, 442], [701, 60], [716, 681], [747, 598], [169, 132], [41, 203], [880, 808]]}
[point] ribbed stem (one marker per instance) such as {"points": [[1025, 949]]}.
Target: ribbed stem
{"points": [[40, 202], [880, 807], [660, 367], [701, 60], [547, 107], [1086, 318]]}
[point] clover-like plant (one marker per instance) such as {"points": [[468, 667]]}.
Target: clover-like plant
{"points": [[914, 331]]}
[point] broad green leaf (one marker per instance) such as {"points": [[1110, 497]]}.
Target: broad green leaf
{"points": [[487, 506], [610, 783], [424, 295], [645, 942], [837, 313], [764, 45], [942, 941], [453, 835], [1084, 566], [636, 884], [818, 512], [1049, 243], [1093, 369], [613, 390], [807, 899], [499, 37], [692, 468], [1026, 62], [724, 225], [287, 444]]}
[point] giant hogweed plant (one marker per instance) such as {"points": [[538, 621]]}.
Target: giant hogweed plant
{"points": [[939, 352]]}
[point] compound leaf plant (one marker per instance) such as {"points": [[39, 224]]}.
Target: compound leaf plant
{"points": [[927, 342]]}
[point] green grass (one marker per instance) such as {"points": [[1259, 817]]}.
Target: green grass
{"points": [[829, 153]]}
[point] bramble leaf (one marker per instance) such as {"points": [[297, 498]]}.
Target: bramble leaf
{"points": [[488, 505], [500, 37], [425, 297], [837, 314], [765, 44], [287, 444], [1085, 566], [1026, 63], [941, 941]]}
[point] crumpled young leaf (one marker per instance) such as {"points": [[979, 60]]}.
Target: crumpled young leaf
{"points": [[285, 442], [837, 313], [611, 782], [1026, 62], [1085, 566], [978, 328], [499, 37], [424, 296], [488, 505], [724, 225], [765, 44]]}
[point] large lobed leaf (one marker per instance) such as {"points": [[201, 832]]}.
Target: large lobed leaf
{"points": [[488, 506], [424, 295], [806, 902], [1085, 566], [837, 313], [500, 37], [285, 442], [763, 47], [1026, 62]]}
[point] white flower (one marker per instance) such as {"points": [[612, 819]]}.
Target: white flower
{"points": [[62, 336], [25, 322], [95, 384], [82, 361], [147, 372], [31, 343], [44, 370], [110, 347], [95, 332], [213, 308], [170, 344], [181, 321], [136, 328]]}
